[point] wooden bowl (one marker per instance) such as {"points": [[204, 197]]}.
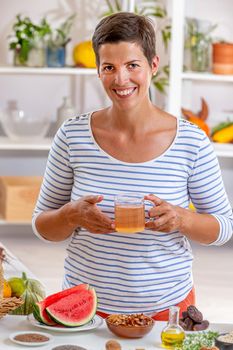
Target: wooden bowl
{"points": [[129, 331]]}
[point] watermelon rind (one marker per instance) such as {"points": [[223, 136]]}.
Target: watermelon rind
{"points": [[74, 310], [39, 310]]}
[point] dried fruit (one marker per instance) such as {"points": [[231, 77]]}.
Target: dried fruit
{"points": [[201, 326], [194, 314], [192, 320]]}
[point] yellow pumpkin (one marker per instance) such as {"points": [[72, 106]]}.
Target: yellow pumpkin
{"points": [[83, 55]]}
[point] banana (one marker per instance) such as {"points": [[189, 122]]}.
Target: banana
{"points": [[224, 135]]}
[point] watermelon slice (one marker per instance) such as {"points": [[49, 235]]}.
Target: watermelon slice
{"points": [[39, 310], [75, 309]]}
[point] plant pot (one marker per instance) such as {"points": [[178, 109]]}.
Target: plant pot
{"points": [[36, 58], [17, 61], [223, 58], [56, 56]]}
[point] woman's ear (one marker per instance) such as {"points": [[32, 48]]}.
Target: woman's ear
{"points": [[155, 65]]}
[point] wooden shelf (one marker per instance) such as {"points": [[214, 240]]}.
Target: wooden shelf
{"points": [[207, 77], [47, 71]]}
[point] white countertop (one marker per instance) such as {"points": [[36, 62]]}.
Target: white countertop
{"points": [[91, 340]]}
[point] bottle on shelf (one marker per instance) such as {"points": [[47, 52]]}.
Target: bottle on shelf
{"points": [[173, 335], [65, 111]]}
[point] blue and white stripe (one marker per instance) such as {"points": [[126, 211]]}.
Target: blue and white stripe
{"points": [[146, 271]]}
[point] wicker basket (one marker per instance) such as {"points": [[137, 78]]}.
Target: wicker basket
{"points": [[7, 304]]}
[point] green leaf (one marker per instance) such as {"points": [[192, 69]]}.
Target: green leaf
{"points": [[198, 340], [118, 6]]}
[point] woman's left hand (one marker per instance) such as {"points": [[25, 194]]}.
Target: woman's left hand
{"points": [[164, 216]]}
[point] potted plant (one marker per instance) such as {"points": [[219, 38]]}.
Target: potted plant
{"points": [[27, 42], [56, 43]]}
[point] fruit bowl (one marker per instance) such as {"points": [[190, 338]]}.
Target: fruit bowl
{"points": [[130, 326]]}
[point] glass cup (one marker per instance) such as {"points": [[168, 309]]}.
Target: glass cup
{"points": [[129, 213]]}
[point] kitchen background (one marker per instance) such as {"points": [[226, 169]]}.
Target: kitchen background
{"points": [[32, 95]]}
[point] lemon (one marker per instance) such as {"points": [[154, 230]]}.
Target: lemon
{"points": [[17, 286], [6, 290], [83, 55]]}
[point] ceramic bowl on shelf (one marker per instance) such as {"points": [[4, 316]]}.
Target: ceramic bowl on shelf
{"points": [[130, 326], [224, 341], [18, 125]]}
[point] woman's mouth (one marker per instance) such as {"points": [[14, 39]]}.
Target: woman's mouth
{"points": [[124, 92]]}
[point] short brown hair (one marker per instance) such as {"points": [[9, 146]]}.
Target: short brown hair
{"points": [[129, 27]]}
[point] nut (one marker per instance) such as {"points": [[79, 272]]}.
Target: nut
{"points": [[112, 345], [133, 320]]}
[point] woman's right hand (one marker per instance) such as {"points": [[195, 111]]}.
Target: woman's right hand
{"points": [[85, 213]]}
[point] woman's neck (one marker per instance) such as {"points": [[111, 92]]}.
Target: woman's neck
{"points": [[132, 119]]}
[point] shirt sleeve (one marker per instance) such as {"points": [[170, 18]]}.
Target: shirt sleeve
{"points": [[207, 190], [58, 178]]}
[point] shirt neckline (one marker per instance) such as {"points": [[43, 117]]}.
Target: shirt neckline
{"points": [[116, 160]]}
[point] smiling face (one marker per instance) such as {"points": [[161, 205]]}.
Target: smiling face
{"points": [[125, 73]]}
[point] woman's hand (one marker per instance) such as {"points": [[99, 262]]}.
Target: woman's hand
{"points": [[164, 216], [85, 213]]}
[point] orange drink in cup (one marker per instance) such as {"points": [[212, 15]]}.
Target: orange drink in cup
{"points": [[129, 213]]}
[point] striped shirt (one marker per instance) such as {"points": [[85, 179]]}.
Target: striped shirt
{"points": [[146, 271]]}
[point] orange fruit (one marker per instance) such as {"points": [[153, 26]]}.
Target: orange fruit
{"points": [[6, 290]]}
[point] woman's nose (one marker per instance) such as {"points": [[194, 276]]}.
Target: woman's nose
{"points": [[121, 77]]}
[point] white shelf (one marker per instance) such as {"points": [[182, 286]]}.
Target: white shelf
{"points": [[41, 145], [207, 77], [48, 71], [223, 149]]}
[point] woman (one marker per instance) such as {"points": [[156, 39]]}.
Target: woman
{"points": [[131, 146]]}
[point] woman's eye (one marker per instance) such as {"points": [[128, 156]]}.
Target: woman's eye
{"points": [[108, 68], [133, 65]]}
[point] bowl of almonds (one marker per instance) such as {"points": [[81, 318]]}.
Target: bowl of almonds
{"points": [[130, 326]]}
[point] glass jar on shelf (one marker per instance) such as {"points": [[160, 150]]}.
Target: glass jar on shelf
{"points": [[65, 111], [198, 44]]}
